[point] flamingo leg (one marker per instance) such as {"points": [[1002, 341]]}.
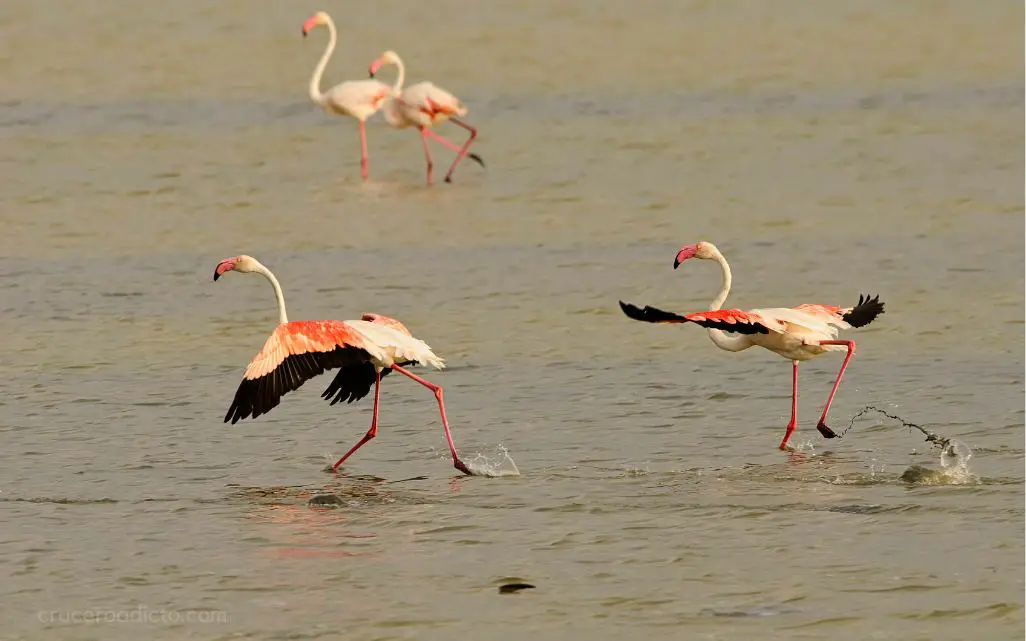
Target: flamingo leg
{"points": [[822, 426], [459, 151], [364, 158], [463, 150], [424, 133], [456, 462], [442, 139], [793, 424], [371, 433]]}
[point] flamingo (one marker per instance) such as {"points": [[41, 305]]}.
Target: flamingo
{"points": [[360, 99], [799, 334], [362, 350], [423, 106]]}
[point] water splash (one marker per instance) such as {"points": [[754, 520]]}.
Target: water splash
{"points": [[500, 463], [955, 462], [805, 447], [635, 470], [954, 455], [954, 468]]}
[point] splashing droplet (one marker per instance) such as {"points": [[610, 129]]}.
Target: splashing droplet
{"points": [[954, 464], [498, 464]]}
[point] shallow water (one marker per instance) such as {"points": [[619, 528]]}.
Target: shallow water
{"points": [[827, 149]]}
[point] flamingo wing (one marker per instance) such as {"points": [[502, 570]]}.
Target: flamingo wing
{"points": [[355, 382], [294, 353], [357, 97], [650, 314], [822, 321], [730, 320], [432, 101], [862, 314], [386, 321], [736, 320]]}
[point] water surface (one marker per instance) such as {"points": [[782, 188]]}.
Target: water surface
{"points": [[828, 149]]}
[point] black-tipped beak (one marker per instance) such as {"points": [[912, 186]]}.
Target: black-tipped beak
{"points": [[305, 32], [676, 263], [216, 275], [372, 74]]}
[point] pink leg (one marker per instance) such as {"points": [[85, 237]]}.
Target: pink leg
{"points": [[457, 463], [442, 139], [793, 424], [460, 151], [822, 426], [424, 133], [371, 433], [463, 150], [364, 159]]}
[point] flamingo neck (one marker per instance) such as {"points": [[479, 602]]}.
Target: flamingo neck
{"points": [[397, 88], [279, 297], [315, 79], [725, 290], [721, 339]]}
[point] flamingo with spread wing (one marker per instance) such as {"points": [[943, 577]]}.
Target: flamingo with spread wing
{"points": [[798, 334], [362, 350]]}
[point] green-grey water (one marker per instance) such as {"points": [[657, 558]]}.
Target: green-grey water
{"points": [[828, 149]]}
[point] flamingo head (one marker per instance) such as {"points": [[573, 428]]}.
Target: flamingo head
{"points": [[701, 250], [387, 58], [241, 263], [316, 19]]}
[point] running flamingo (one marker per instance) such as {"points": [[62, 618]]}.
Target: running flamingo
{"points": [[363, 351], [360, 99], [798, 334], [423, 106]]}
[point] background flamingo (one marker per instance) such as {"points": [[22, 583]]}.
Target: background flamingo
{"points": [[423, 106], [362, 350], [360, 99], [798, 334]]}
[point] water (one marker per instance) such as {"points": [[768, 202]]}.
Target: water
{"points": [[828, 149]]}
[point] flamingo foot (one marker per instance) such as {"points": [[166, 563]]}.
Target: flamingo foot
{"points": [[459, 465], [791, 427], [474, 157], [826, 431]]}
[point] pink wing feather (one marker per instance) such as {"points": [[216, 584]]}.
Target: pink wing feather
{"points": [[731, 320], [386, 321], [294, 353], [354, 382]]}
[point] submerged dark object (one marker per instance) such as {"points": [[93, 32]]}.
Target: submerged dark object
{"points": [[922, 475], [325, 500], [513, 588]]}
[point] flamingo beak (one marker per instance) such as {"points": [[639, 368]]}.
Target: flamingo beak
{"points": [[374, 68], [309, 25], [686, 252], [222, 267]]}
